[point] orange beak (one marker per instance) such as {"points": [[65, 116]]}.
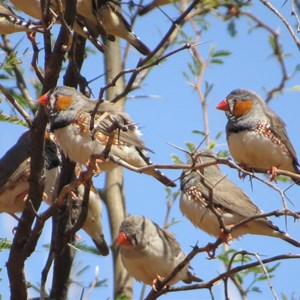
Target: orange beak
{"points": [[223, 105], [43, 100], [123, 239]]}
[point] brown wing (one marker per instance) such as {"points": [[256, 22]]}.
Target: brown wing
{"points": [[169, 237], [107, 116], [278, 129], [226, 194]]}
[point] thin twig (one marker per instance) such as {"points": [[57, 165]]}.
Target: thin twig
{"points": [[16, 105], [284, 20], [267, 275]]}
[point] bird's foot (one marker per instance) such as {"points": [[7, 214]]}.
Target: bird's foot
{"points": [[211, 250], [31, 37], [225, 237], [273, 173], [241, 174], [157, 283]]}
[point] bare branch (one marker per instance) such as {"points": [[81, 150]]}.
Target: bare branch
{"points": [[284, 20], [16, 105]]}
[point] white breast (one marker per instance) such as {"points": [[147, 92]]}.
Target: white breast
{"points": [[153, 260], [76, 144], [256, 151]]}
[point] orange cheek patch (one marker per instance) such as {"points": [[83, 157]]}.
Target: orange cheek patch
{"points": [[242, 107], [63, 102]]}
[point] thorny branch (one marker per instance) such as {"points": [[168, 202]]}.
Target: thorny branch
{"points": [[294, 13], [211, 283], [284, 20], [122, 73], [277, 52], [161, 44], [222, 161]]}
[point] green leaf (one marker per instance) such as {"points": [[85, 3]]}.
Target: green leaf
{"points": [[231, 28], [191, 147], [223, 154], [176, 160], [256, 289], [81, 271], [217, 61], [221, 53], [99, 283], [5, 244], [122, 298], [218, 135], [85, 248], [211, 145], [207, 89], [198, 132]]}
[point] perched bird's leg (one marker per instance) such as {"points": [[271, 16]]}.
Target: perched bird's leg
{"points": [[225, 236], [100, 158], [156, 284], [211, 250], [273, 172], [241, 174], [108, 145], [31, 37]]}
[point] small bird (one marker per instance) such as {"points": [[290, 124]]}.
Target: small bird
{"points": [[152, 5], [14, 185], [200, 187], [94, 18], [81, 25], [256, 136], [149, 252], [93, 222], [70, 116], [15, 172], [10, 22], [110, 17]]}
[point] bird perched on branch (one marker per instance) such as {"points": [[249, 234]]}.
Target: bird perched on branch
{"points": [[10, 22], [94, 18], [149, 252], [93, 222], [207, 187], [15, 173], [81, 26], [110, 18], [70, 116], [14, 185], [256, 136]]}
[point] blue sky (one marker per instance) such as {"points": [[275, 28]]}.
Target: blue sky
{"points": [[171, 119]]}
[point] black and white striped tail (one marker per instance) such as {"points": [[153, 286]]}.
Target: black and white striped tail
{"points": [[21, 22]]}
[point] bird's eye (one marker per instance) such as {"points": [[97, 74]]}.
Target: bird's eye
{"points": [[235, 100]]}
